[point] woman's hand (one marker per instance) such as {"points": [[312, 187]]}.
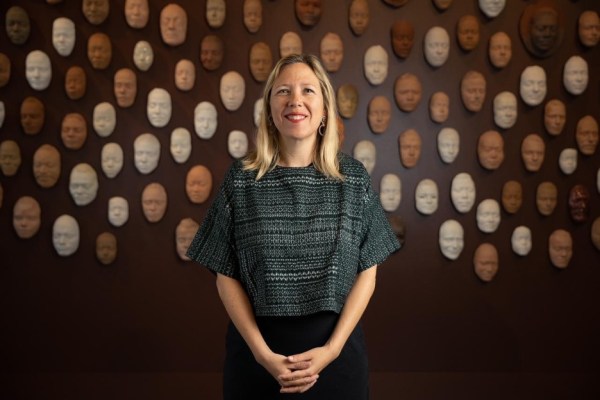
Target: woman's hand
{"points": [[315, 360], [279, 365]]}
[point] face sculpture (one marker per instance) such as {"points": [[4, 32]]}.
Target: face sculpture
{"points": [[398, 227], [451, 239], [252, 15], [379, 114], [4, 69], [492, 8], [185, 75], [512, 196], [408, 92], [215, 13], [143, 55], [472, 90], [533, 150], [575, 75], [586, 135], [99, 50], [104, 119], [595, 233], [366, 152], [184, 234], [376, 65], [500, 49], [485, 262], [65, 235], [146, 150], [426, 197], [546, 198], [290, 43], [488, 215], [63, 36], [118, 211], [588, 28], [26, 217], [154, 202], [439, 107], [505, 109], [347, 100], [261, 61], [358, 16], [403, 36], [46, 166], [173, 24], [442, 5], [567, 160], [73, 132], [181, 145], [198, 184], [95, 11], [158, 108], [555, 116], [395, 3], [579, 203], [205, 120], [448, 144], [232, 90], [308, 12], [560, 248], [2, 113], [467, 31], [391, 192], [18, 26], [211, 52], [332, 51], [462, 192], [410, 148], [83, 184], [490, 150], [106, 248], [541, 30], [532, 87], [237, 144], [10, 157], [38, 70], [111, 159], [436, 46], [521, 240], [258, 109], [75, 83], [137, 13], [33, 115]]}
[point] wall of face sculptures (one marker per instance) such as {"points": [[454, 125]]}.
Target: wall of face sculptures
{"points": [[477, 120]]}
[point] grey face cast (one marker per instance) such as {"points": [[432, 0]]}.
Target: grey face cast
{"points": [[567, 161], [205, 120], [575, 75], [83, 184], [366, 153], [521, 240], [488, 215], [184, 234], [143, 55], [290, 43], [159, 107], [111, 159], [146, 148], [104, 119], [505, 109], [451, 239], [232, 90], [63, 36], [532, 86], [462, 192], [38, 70], [492, 8], [181, 145], [391, 192], [426, 197], [436, 46], [448, 144], [376, 64], [65, 235], [18, 25], [118, 211], [237, 144]]}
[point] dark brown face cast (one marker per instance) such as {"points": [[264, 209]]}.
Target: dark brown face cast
{"points": [[541, 29], [579, 203], [308, 12], [403, 36]]}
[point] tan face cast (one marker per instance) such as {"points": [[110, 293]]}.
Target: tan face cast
{"points": [[395, 3], [290, 43], [232, 90], [18, 25], [467, 31], [10, 157], [154, 202], [512, 197], [26, 217], [73, 131], [473, 90], [410, 148], [332, 51], [442, 5], [99, 50], [95, 11], [4, 69], [408, 92], [579, 203], [173, 24], [485, 262], [75, 82], [347, 100], [106, 248], [500, 49], [216, 11], [253, 15], [184, 234], [137, 13], [308, 12], [198, 184], [586, 135], [32, 115], [261, 61], [555, 117], [185, 75], [588, 28], [546, 198], [83, 184], [379, 114], [46, 166], [439, 107], [560, 248], [403, 36], [358, 16], [533, 150], [211, 52], [490, 150], [125, 87]]}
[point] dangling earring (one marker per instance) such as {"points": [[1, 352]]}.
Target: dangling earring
{"points": [[321, 127]]}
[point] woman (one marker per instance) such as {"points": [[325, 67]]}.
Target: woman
{"points": [[294, 236]]}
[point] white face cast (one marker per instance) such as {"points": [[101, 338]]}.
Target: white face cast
{"points": [[426, 197], [436, 46], [159, 107], [38, 70], [462, 192], [146, 149], [143, 55], [567, 161], [63, 36], [205, 120], [505, 109], [83, 184], [533, 85], [451, 239], [2, 113], [448, 144], [492, 8], [118, 211], [181, 145], [237, 144], [521, 240], [185, 75], [390, 192], [104, 119], [575, 75], [232, 90], [258, 109], [215, 13], [111, 159], [488, 215], [366, 153], [290, 43], [376, 64], [65, 235]]}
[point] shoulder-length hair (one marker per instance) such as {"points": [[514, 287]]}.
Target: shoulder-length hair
{"points": [[325, 157]]}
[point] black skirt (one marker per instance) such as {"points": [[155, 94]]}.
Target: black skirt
{"points": [[345, 378]]}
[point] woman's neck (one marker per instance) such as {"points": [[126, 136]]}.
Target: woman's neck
{"points": [[296, 153]]}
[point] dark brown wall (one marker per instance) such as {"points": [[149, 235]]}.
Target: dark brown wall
{"points": [[152, 326]]}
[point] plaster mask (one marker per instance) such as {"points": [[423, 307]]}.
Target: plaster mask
{"points": [[258, 109], [146, 151], [409, 142], [33, 115], [462, 192], [184, 234], [63, 36], [261, 61], [185, 75], [358, 16], [18, 25], [83, 184], [125, 87], [436, 46], [4, 69], [154, 202], [198, 184], [546, 198], [38, 70], [567, 160], [448, 144], [485, 262], [232, 90], [99, 50], [205, 120], [347, 100], [379, 114], [532, 87], [331, 51], [500, 49], [451, 239], [366, 152], [308, 12], [111, 159], [118, 211], [65, 235], [588, 28], [520, 240], [2, 113], [595, 233], [442, 5], [488, 215], [106, 248], [137, 13], [541, 30], [143, 55], [467, 31], [533, 150], [579, 203], [398, 227], [492, 8], [439, 107], [376, 64], [253, 15], [586, 135], [408, 92], [505, 109], [46, 166], [181, 145], [403, 36], [173, 24], [104, 119], [75, 82], [26, 217], [215, 13], [555, 116], [426, 197], [95, 11], [290, 43], [575, 75], [158, 107], [212, 50], [560, 248], [237, 144], [472, 90], [512, 196], [10, 157], [73, 132], [490, 150], [391, 192]]}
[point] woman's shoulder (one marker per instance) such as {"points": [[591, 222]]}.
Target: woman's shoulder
{"points": [[351, 167]]}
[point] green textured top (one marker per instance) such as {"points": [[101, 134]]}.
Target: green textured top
{"points": [[295, 239]]}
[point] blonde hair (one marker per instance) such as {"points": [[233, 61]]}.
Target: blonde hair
{"points": [[325, 157]]}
